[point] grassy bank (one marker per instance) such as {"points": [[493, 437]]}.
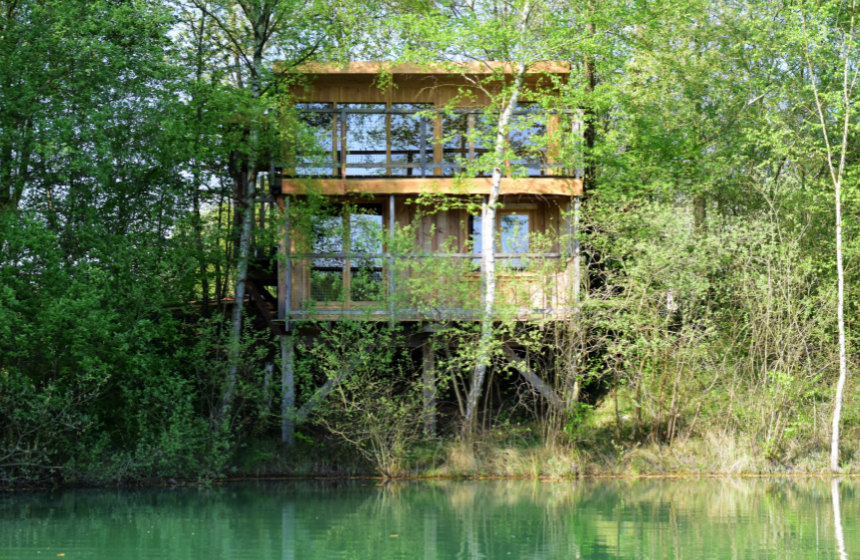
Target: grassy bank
{"points": [[528, 450]]}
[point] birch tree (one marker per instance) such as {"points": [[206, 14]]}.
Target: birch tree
{"points": [[264, 42], [827, 34], [504, 41]]}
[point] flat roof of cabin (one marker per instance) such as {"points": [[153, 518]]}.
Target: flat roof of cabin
{"points": [[444, 68]]}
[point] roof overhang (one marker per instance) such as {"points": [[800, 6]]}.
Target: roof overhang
{"points": [[486, 68]]}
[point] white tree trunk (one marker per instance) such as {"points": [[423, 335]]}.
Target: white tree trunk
{"points": [[840, 317], [239, 293], [837, 172], [244, 255], [488, 248]]}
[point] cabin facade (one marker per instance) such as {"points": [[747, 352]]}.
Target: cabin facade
{"points": [[403, 160]]}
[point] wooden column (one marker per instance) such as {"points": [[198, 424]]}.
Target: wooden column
{"points": [[288, 394], [577, 280], [391, 260], [343, 147], [423, 146], [285, 295], [428, 391]]}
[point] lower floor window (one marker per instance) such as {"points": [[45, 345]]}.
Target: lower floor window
{"points": [[338, 276], [512, 237]]}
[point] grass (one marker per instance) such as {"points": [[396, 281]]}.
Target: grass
{"points": [[522, 450]]}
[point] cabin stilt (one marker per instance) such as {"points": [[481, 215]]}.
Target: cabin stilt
{"points": [[428, 393], [288, 390], [285, 294]]}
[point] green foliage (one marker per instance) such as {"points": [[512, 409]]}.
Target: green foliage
{"points": [[127, 130]]}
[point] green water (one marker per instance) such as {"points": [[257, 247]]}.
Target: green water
{"points": [[711, 518]]}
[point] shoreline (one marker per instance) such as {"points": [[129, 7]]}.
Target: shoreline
{"points": [[166, 483]]}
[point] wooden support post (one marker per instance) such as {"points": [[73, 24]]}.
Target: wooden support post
{"points": [[428, 388], [438, 154], [285, 294], [470, 132], [288, 394], [577, 280], [343, 147], [391, 260]]}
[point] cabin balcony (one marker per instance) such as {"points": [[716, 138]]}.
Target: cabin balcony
{"points": [[414, 148], [385, 257]]}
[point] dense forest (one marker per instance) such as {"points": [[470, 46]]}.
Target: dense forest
{"points": [[713, 329]]}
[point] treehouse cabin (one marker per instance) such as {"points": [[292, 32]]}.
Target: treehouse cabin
{"points": [[399, 155]]}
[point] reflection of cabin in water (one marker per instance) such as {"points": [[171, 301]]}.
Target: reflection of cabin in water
{"points": [[376, 149]]}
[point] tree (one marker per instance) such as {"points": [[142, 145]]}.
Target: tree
{"points": [[264, 42], [826, 33], [461, 38]]}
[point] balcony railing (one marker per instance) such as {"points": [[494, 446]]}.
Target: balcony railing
{"points": [[367, 141]]}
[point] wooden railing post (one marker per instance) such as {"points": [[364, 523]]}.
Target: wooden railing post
{"points": [[343, 143], [423, 146], [285, 295]]}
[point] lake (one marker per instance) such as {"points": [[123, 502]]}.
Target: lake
{"points": [[363, 519]]}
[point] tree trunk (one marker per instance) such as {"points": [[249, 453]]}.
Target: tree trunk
{"points": [[840, 317], [488, 247], [244, 255], [589, 77], [247, 225]]}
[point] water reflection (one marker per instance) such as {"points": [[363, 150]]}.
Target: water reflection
{"points": [[709, 518], [837, 518]]}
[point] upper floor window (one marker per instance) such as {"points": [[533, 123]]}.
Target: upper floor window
{"points": [[412, 140]]}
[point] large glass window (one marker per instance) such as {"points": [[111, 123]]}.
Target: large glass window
{"points": [[465, 138], [344, 277], [327, 272], [456, 147], [370, 140], [512, 236], [528, 139], [317, 146], [477, 237], [365, 236], [366, 140], [411, 139]]}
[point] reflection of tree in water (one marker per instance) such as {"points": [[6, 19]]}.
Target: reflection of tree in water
{"points": [[641, 519]]}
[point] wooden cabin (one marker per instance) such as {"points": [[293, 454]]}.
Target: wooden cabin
{"points": [[379, 148], [396, 154]]}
